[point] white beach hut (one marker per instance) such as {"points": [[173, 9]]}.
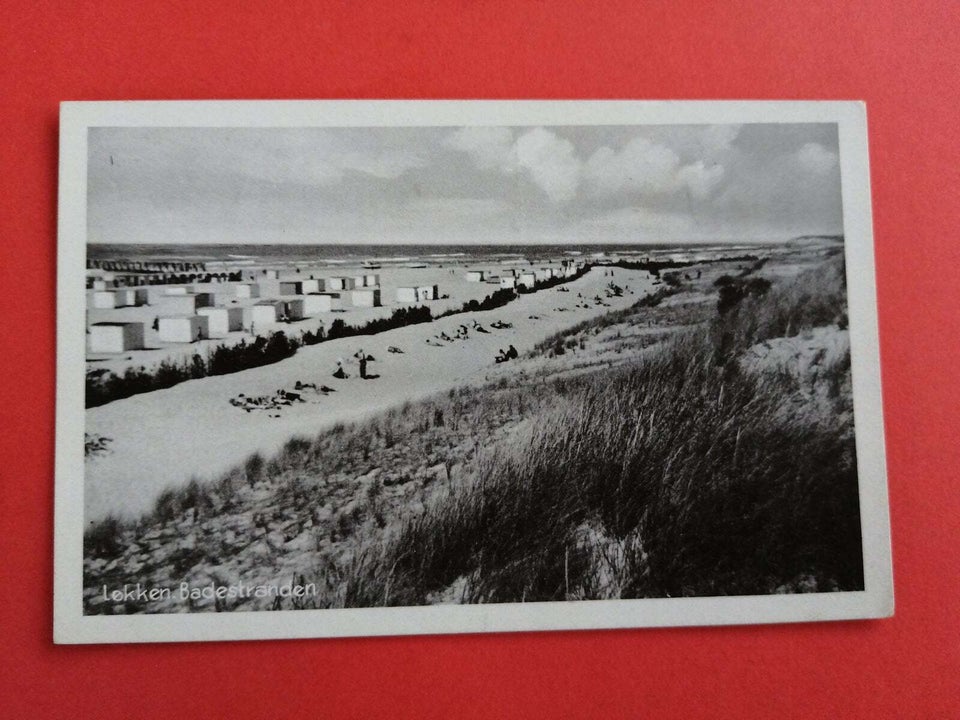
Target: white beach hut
{"points": [[248, 290], [407, 294], [269, 287], [365, 297], [222, 320], [263, 313], [508, 281], [371, 280], [294, 309], [291, 287], [104, 299], [155, 292], [341, 283], [115, 337], [475, 275], [132, 297], [316, 303], [528, 279], [183, 328], [311, 285], [177, 304]]}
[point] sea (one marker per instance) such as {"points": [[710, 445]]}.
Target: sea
{"points": [[401, 255]]}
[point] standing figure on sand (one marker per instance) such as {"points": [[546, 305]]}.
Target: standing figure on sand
{"points": [[362, 359], [361, 356]]}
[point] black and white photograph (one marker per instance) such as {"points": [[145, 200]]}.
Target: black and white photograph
{"points": [[421, 367]]}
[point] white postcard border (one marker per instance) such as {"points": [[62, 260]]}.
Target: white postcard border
{"points": [[71, 626]]}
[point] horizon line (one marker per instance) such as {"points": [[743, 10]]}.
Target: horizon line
{"points": [[749, 241]]}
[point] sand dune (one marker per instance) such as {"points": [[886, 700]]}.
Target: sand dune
{"points": [[166, 437]]}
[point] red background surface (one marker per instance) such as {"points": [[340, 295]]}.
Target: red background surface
{"points": [[903, 62]]}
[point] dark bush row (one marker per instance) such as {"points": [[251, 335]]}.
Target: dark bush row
{"points": [[103, 387], [654, 267]]}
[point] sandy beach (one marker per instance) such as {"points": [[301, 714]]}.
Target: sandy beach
{"points": [[165, 438]]}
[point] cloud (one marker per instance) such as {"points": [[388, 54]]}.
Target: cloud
{"points": [[476, 184], [700, 179], [718, 138], [552, 163], [640, 165], [490, 147], [816, 158], [647, 167]]}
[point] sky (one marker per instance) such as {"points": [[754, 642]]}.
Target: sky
{"points": [[442, 185]]}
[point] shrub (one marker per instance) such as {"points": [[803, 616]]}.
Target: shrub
{"points": [[103, 539], [815, 298], [253, 469]]}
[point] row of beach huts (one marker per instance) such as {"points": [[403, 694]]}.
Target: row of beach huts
{"points": [[511, 278], [189, 313]]}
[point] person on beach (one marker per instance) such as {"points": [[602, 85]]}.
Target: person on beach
{"points": [[340, 373], [512, 353], [361, 356]]}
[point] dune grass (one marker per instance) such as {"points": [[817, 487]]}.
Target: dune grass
{"points": [[680, 476], [693, 471]]}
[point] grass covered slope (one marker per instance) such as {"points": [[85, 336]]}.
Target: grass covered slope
{"points": [[720, 461], [683, 475]]}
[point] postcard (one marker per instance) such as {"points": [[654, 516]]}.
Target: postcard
{"points": [[343, 368]]}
